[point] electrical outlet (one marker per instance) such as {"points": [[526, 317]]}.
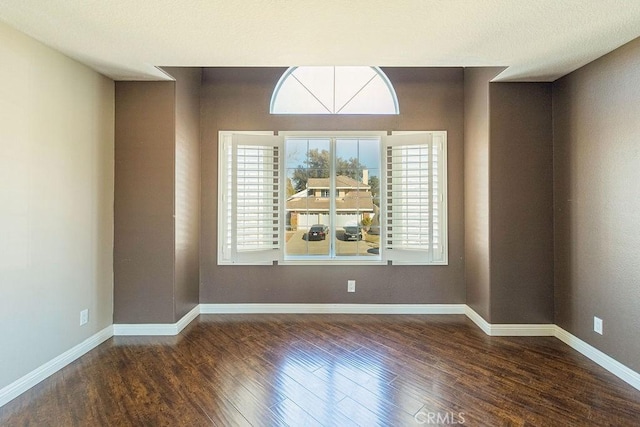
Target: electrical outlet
{"points": [[597, 324], [351, 285], [84, 317]]}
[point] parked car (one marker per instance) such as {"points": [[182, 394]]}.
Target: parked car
{"points": [[352, 232], [317, 232]]}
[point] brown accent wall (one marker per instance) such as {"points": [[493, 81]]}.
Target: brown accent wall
{"points": [[238, 99], [508, 199], [476, 188], [187, 189], [157, 199], [597, 202], [143, 261], [521, 203], [508, 164]]}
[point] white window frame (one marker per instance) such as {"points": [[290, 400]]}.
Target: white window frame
{"points": [[390, 252]]}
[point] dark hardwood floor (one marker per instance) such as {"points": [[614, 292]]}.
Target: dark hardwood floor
{"points": [[331, 370]]}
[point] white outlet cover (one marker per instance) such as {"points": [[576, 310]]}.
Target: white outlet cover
{"points": [[597, 325], [351, 285], [84, 317]]}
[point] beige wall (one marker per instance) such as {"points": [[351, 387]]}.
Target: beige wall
{"points": [[597, 202], [238, 99], [56, 203]]}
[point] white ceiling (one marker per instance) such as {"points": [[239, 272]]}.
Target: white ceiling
{"points": [[538, 40]]}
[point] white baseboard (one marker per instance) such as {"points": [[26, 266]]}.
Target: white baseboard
{"points": [[527, 330], [156, 328], [549, 330], [510, 330], [332, 308], [23, 384], [607, 362], [478, 320]]}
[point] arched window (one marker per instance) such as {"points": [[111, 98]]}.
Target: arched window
{"points": [[334, 90]]}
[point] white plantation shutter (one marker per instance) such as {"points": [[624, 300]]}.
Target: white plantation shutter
{"points": [[413, 205], [249, 197], [415, 194]]}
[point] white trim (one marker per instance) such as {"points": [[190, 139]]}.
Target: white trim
{"points": [[550, 330], [510, 330], [525, 330], [157, 328], [607, 362], [188, 318], [478, 320], [332, 308], [23, 384]]}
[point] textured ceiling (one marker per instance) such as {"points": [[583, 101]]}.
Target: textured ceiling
{"points": [[538, 40]]}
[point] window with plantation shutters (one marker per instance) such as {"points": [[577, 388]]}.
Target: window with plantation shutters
{"points": [[415, 196], [249, 199], [332, 198]]}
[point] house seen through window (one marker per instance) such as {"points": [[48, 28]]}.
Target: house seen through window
{"points": [[332, 185]]}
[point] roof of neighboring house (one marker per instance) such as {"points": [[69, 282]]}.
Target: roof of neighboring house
{"points": [[299, 195], [341, 182], [354, 200]]}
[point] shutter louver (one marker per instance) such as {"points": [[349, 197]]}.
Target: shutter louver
{"points": [[415, 198], [252, 199]]}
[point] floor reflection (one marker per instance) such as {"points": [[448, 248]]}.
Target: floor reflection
{"points": [[345, 390]]}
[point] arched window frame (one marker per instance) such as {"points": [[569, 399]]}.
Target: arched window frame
{"points": [[287, 74]]}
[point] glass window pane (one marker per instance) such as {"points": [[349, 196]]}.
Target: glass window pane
{"points": [[319, 82], [334, 90], [349, 81], [374, 98], [294, 98], [357, 165], [307, 205]]}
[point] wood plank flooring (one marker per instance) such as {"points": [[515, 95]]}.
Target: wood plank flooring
{"points": [[328, 370]]}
